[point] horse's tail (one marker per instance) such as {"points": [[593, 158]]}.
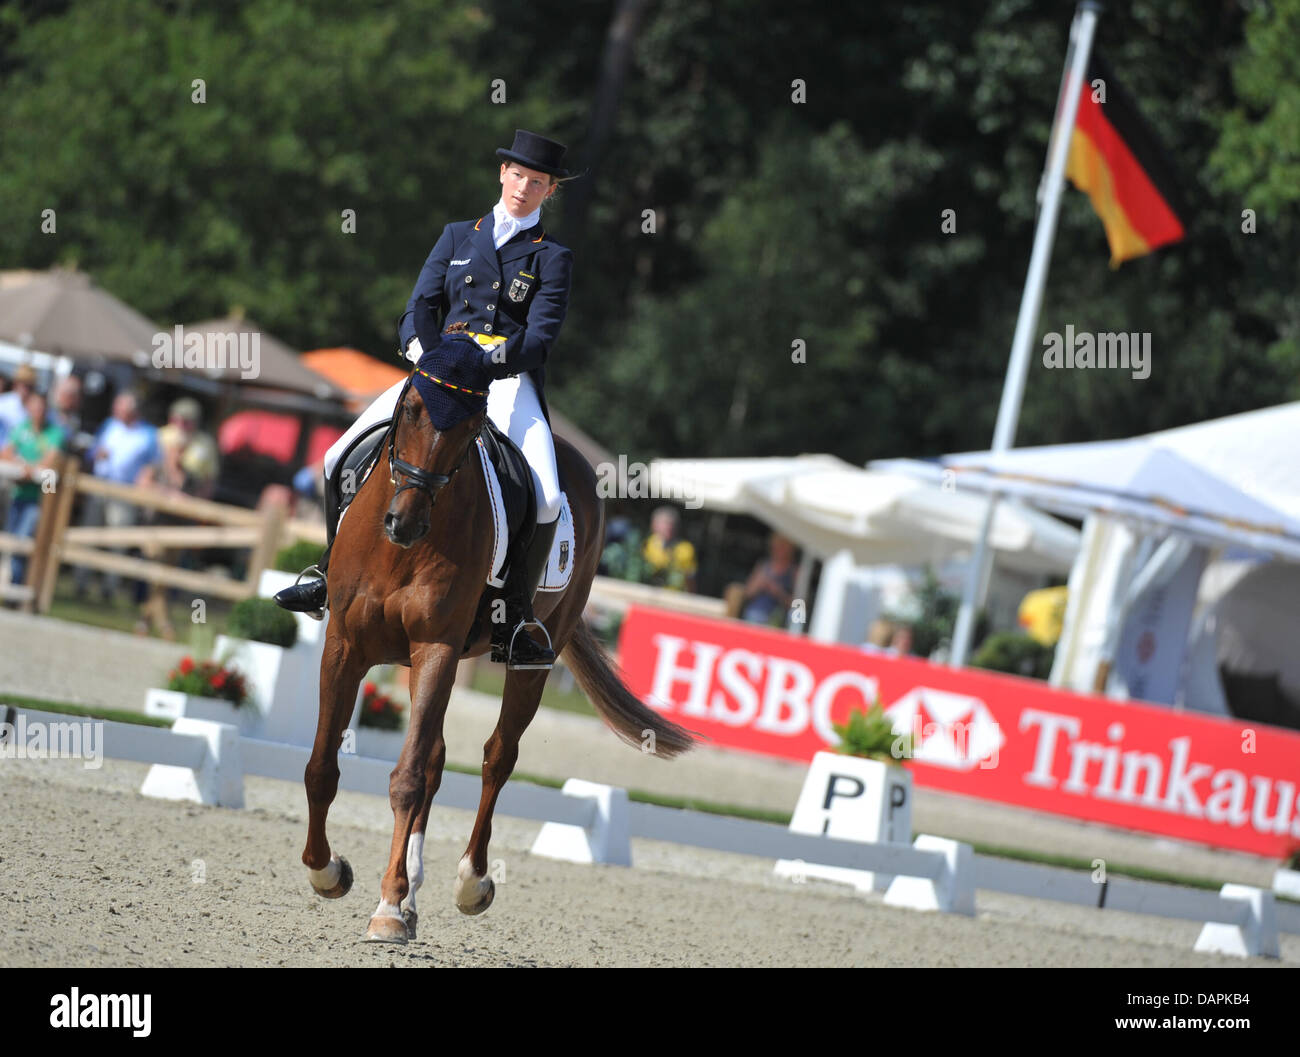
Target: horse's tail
{"points": [[634, 722]]}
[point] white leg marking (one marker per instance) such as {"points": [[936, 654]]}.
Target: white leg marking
{"points": [[327, 878], [387, 910], [414, 867]]}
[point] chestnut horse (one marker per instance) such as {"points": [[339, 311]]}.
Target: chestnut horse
{"points": [[406, 584]]}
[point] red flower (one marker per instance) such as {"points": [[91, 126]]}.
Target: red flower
{"points": [[186, 665], [376, 705], [218, 680], [370, 689]]}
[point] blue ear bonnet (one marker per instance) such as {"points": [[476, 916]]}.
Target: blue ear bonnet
{"points": [[451, 381], [450, 376]]}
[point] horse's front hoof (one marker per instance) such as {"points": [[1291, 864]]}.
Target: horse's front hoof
{"points": [[385, 929], [470, 907], [412, 919], [474, 894], [333, 882]]}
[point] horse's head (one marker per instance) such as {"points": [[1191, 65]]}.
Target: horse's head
{"points": [[437, 418]]}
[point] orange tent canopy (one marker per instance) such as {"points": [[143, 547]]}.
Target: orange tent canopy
{"points": [[362, 377]]}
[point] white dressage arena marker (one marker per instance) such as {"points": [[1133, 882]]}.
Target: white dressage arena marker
{"points": [[1257, 935], [851, 798], [953, 891], [604, 839], [219, 778]]}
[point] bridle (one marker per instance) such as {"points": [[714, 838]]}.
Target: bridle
{"points": [[417, 477]]}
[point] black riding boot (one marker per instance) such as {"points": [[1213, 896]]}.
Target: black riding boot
{"points": [[511, 644], [312, 597]]}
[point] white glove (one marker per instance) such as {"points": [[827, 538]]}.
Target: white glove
{"points": [[414, 350]]}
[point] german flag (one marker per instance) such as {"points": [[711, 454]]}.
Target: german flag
{"points": [[1116, 159]]}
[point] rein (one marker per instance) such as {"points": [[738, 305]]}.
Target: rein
{"points": [[417, 477]]}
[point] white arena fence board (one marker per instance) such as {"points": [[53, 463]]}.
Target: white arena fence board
{"points": [[1062, 885], [767, 840], [1035, 881], [132, 741], [154, 745]]}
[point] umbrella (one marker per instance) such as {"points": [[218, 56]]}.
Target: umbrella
{"points": [[827, 505], [360, 376], [65, 313], [277, 366]]}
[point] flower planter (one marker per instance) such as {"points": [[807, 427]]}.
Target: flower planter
{"points": [[284, 685], [173, 704], [852, 798]]}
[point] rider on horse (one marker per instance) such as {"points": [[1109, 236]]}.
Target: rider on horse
{"points": [[505, 281]]}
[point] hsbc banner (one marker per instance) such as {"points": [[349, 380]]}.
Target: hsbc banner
{"points": [[1220, 782]]}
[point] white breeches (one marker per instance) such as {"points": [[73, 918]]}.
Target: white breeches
{"points": [[513, 408]]}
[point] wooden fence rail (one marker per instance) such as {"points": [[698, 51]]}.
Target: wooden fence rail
{"points": [[219, 525]]}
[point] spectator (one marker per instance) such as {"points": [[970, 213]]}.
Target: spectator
{"points": [[65, 411], [188, 457], [187, 464], [125, 449], [13, 404], [35, 444], [770, 587], [670, 561]]}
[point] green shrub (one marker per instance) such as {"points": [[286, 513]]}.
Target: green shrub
{"points": [[871, 735], [261, 620], [297, 556], [1016, 653]]}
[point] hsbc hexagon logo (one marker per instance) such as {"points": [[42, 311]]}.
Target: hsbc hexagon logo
{"points": [[950, 730]]}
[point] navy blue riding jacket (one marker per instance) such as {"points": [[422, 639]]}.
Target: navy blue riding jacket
{"points": [[520, 291]]}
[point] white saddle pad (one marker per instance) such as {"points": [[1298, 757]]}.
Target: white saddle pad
{"points": [[559, 566]]}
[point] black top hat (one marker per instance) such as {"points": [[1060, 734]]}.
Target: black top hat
{"points": [[536, 152]]}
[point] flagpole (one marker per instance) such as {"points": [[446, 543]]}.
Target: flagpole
{"points": [[1031, 302]]}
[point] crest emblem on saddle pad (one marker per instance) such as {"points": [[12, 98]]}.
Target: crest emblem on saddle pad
{"points": [[564, 555], [518, 289]]}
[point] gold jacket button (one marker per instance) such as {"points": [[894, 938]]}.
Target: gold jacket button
{"points": [[487, 328], [496, 284]]}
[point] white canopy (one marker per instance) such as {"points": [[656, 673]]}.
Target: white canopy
{"points": [[1231, 482], [1140, 482], [1255, 450], [827, 505]]}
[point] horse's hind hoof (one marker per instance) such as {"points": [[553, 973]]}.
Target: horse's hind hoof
{"points": [[342, 883], [412, 919], [385, 929]]}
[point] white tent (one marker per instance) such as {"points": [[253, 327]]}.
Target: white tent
{"points": [[1160, 510], [1255, 450], [868, 529], [827, 506], [1139, 482]]}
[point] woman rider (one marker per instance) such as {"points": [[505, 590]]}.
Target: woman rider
{"points": [[507, 280]]}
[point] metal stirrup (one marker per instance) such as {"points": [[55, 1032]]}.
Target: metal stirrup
{"points": [[511, 651], [320, 574]]}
